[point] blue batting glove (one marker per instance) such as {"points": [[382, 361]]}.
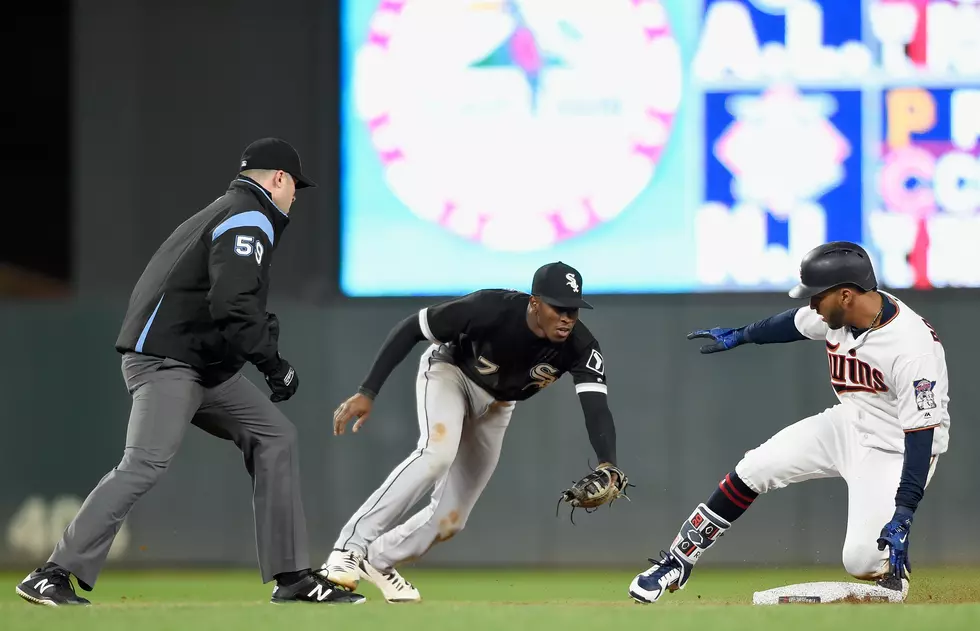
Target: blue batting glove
{"points": [[895, 535], [724, 339]]}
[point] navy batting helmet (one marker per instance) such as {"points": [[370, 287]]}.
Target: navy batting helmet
{"points": [[834, 264]]}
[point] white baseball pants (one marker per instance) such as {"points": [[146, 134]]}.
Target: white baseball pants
{"points": [[461, 434], [828, 445]]}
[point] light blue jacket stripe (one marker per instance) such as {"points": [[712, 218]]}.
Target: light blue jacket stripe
{"points": [[146, 329], [250, 219]]}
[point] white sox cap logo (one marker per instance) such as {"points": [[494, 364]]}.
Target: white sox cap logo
{"points": [[289, 376], [572, 282]]}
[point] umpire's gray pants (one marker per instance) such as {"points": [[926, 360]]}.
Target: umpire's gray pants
{"points": [[167, 396]]}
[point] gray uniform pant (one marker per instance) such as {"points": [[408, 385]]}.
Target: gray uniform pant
{"points": [[461, 434], [167, 396]]}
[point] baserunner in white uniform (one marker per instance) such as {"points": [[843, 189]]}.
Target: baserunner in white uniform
{"points": [[888, 368]]}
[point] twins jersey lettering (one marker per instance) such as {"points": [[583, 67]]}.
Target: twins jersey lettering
{"points": [[894, 374], [487, 336]]}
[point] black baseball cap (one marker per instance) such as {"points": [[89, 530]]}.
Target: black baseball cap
{"points": [[278, 155], [559, 285]]}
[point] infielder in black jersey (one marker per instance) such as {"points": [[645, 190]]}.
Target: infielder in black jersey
{"points": [[489, 349]]}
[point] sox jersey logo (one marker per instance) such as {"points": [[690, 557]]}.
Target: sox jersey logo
{"points": [[543, 375], [894, 375]]}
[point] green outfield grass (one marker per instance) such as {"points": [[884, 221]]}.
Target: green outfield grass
{"points": [[470, 600]]}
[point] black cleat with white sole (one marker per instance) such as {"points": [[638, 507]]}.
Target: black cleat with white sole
{"points": [[51, 587], [313, 588]]}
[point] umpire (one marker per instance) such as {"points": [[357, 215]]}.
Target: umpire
{"points": [[196, 316]]}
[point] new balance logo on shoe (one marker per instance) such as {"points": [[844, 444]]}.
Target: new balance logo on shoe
{"points": [[43, 585], [51, 588], [322, 592]]}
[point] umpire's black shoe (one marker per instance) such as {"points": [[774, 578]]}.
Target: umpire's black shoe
{"points": [[315, 589], [50, 587]]}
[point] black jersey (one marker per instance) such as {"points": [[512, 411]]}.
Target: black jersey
{"points": [[202, 297], [487, 336]]}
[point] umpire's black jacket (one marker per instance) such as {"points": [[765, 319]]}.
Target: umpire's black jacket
{"points": [[202, 297]]}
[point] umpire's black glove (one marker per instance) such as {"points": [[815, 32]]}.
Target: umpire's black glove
{"points": [[283, 381]]}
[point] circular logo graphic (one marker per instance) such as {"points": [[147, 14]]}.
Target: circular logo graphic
{"points": [[518, 124]]}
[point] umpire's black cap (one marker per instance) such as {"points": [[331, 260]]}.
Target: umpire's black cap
{"points": [[834, 264], [278, 155], [559, 285]]}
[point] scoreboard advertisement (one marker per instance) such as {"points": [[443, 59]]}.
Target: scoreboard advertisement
{"points": [[659, 146]]}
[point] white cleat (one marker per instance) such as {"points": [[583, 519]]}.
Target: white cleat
{"points": [[343, 568], [393, 585], [664, 576]]}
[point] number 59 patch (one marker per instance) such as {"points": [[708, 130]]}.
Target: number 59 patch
{"points": [[245, 245]]}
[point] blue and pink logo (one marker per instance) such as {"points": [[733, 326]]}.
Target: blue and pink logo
{"points": [[518, 124]]}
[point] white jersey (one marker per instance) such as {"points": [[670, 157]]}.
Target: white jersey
{"points": [[894, 374]]}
